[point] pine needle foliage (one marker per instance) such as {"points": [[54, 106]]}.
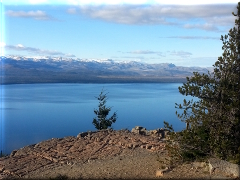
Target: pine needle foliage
{"points": [[101, 121], [213, 121]]}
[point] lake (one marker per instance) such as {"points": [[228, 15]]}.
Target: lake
{"points": [[31, 113]]}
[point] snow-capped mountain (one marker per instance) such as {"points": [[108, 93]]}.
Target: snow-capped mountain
{"points": [[20, 69]]}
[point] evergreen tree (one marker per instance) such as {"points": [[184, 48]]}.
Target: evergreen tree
{"points": [[101, 121], [213, 121]]}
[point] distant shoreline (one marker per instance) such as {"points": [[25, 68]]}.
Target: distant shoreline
{"points": [[45, 80], [23, 70]]}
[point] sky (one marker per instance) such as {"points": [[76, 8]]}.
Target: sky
{"points": [[185, 33]]}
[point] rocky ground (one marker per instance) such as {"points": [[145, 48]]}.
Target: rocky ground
{"points": [[105, 154]]}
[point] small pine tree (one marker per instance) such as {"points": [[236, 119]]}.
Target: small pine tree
{"points": [[101, 121]]}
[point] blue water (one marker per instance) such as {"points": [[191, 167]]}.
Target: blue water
{"points": [[31, 113]]}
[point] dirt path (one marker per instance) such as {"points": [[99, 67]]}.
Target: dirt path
{"points": [[96, 155]]}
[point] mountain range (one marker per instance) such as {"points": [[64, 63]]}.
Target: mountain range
{"points": [[20, 69]]}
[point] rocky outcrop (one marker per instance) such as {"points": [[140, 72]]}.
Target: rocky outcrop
{"points": [[105, 153], [161, 133], [217, 165], [84, 148]]}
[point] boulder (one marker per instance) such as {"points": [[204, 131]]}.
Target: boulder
{"points": [[161, 133], [138, 127], [148, 146], [160, 172], [218, 165], [139, 130], [81, 135], [13, 153], [197, 165]]}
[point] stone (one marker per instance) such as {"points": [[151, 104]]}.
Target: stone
{"points": [[13, 153], [148, 146], [218, 165], [130, 145], [135, 145], [161, 133], [103, 143], [136, 131], [196, 165], [160, 172], [54, 160], [110, 130], [139, 130], [2, 169], [138, 127], [85, 134], [153, 148]]}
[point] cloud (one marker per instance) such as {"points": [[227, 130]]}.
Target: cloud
{"points": [[38, 1], [146, 52], [133, 57], [181, 54], [195, 62], [194, 2], [126, 14], [76, 2], [37, 15], [209, 17], [222, 21], [206, 26], [69, 55], [2, 44], [20, 46], [72, 11], [142, 52], [193, 37], [37, 51]]}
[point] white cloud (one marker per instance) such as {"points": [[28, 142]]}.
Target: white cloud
{"points": [[147, 52], [206, 26], [187, 2], [37, 51], [194, 37], [194, 62], [109, 2], [2, 44], [182, 54], [143, 52], [205, 17], [37, 15], [92, 2], [69, 55], [38, 1], [72, 11], [20, 46], [133, 57], [222, 21], [179, 2], [126, 14]]}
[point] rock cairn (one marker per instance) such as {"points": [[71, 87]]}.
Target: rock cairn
{"points": [[85, 147]]}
